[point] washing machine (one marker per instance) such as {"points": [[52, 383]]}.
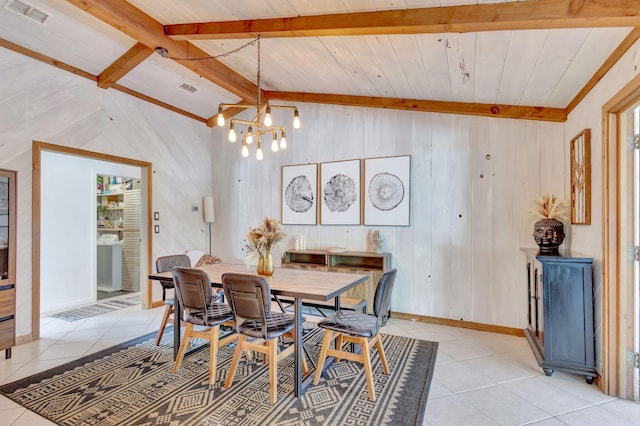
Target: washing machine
{"points": [[109, 263]]}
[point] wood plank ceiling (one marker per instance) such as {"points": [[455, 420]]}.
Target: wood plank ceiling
{"points": [[521, 59]]}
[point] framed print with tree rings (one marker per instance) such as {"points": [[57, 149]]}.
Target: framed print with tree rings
{"points": [[300, 194], [340, 193], [386, 190]]}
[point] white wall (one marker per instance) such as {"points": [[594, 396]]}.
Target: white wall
{"points": [[68, 228], [43, 103], [473, 182]]}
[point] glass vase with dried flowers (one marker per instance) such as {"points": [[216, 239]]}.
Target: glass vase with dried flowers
{"points": [[548, 231], [261, 240]]}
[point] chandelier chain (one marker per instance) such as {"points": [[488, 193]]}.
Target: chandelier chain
{"points": [[222, 55], [258, 80]]}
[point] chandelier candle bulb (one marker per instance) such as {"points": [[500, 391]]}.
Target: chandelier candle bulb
{"points": [[220, 120], [267, 117], [250, 135], [232, 133], [245, 150], [296, 120], [259, 154]]}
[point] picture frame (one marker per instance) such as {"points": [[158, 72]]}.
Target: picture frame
{"points": [[386, 191], [580, 157], [299, 194], [340, 193]]}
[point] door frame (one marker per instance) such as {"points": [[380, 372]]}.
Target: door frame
{"points": [[618, 327], [147, 243]]}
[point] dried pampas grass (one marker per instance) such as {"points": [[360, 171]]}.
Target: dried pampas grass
{"points": [[263, 238], [548, 206]]}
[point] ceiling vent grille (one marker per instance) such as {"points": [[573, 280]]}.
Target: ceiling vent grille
{"points": [[27, 10], [188, 88]]}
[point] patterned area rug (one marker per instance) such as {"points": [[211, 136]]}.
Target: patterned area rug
{"points": [[133, 384], [97, 309]]}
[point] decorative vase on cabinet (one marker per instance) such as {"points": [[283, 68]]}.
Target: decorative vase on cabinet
{"points": [[560, 313]]}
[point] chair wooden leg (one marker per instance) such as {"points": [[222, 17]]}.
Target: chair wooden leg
{"points": [[366, 360], [305, 366], [273, 370], [234, 362], [165, 319], [383, 358], [326, 341], [183, 346], [213, 352], [338, 346]]}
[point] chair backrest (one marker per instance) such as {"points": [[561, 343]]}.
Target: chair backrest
{"points": [[382, 299], [249, 297], [166, 263], [193, 289]]}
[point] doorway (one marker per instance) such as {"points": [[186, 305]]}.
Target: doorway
{"points": [[629, 131], [621, 229], [88, 229], [636, 244], [118, 212]]}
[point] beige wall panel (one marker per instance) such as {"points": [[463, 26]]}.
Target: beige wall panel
{"points": [[506, 269], [458, 192], [422, 215], [481, 215], [439, 188]]}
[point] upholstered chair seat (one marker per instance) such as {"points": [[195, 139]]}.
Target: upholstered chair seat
{"points": [[193, 289], [250, 300], [360, 329]]}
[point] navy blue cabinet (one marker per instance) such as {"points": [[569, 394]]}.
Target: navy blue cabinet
{"points": [[560, 327]]}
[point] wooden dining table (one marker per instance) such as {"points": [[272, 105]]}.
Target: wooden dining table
{"points": [[296, 283]]}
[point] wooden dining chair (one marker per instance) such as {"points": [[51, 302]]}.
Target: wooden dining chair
{"points": [[164, 264], [250, 300], [193, 289], [361, 329]]}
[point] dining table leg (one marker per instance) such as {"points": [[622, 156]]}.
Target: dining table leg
{"points": [[297, 330]]}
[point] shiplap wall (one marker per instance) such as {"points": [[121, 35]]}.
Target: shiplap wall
{"points": [[458, 259], [40, 102], [473, 181]]}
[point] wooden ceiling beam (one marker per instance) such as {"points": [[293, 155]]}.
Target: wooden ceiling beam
{"points": [[123, 65], [126, 18], [484, 110], [522, 15], [46, 59]]}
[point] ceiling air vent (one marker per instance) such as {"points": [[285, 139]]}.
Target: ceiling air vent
{"points": [[27, 10], [188, 88]]}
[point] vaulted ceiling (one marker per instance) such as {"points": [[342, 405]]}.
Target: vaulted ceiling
{"points": [[532, 59]]}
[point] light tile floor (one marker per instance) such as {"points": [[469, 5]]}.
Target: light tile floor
{"points": [[480, 378]]}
